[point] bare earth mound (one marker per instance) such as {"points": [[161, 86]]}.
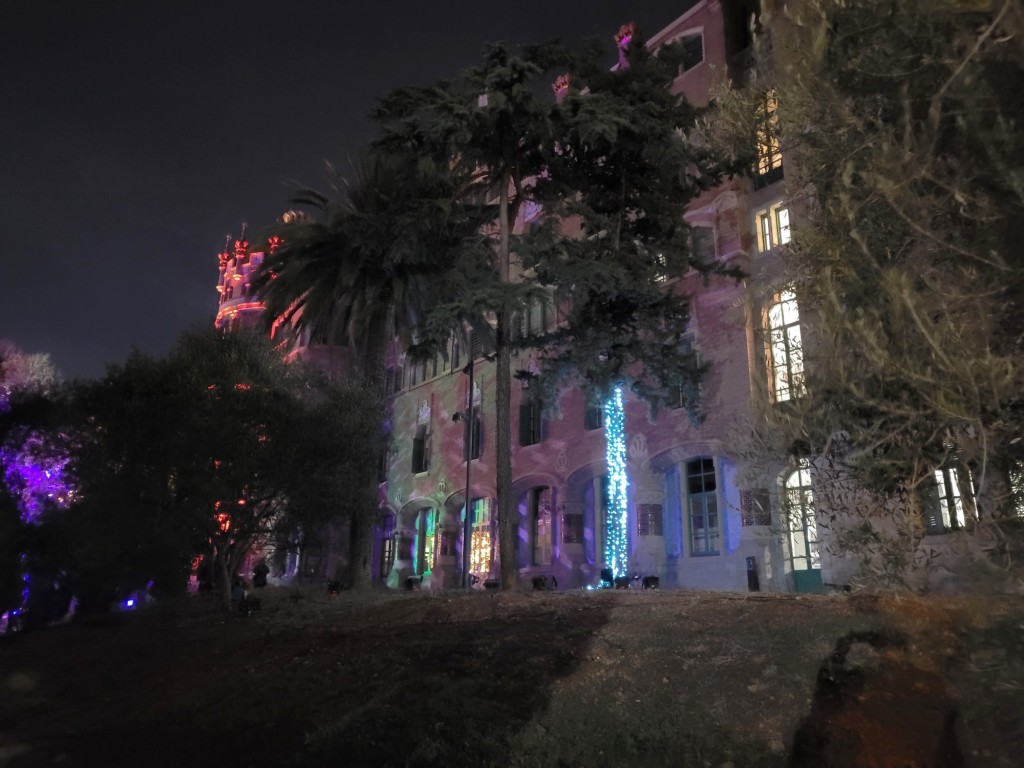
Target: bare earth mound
{"points": [[537, 679]]}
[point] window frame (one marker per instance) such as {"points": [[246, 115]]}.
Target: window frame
{"points": [[531, 421], [426, 541], [950, 500], [710, 507], [769, 165], [773, 226], [420, 450], [798, 507], [472, 438], [480, 532], [541, 498], [784, 347]]}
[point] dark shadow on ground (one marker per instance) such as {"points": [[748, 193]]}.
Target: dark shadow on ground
{"points": [[872, 707]]}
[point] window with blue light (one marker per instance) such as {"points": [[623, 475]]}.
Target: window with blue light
{"points": [[702, 503]]}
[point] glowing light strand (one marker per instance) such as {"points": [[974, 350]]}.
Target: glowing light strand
{"points": [[617, 525]]}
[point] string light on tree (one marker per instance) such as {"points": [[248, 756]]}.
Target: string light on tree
{"points": [[616, 549]]}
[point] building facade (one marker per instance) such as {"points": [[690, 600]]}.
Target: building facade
{"points": [[695, 518]]}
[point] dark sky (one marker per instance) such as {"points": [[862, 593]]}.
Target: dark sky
{"points": [[135, 135]]}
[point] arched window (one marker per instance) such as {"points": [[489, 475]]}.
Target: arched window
{"points": [[785, 348], [800, 524]]}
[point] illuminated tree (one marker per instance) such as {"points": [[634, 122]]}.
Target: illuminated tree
{"points": [[33, 458]]}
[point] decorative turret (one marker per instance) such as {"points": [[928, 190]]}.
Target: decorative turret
{"points": [[237, 265], [622, 40]]}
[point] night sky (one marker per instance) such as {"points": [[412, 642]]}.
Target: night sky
{"points": [[135, 135]]}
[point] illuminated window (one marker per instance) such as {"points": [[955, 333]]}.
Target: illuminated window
{"points": [[481, 546], [425, 541], [387, 549], [541, 525], [769, 154], [800, 523], [948, 503], [785, 350], [1017, 489], [773, 228], [702, 501]]}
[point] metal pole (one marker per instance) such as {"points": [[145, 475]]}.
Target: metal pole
{"points": [[467, 535]]}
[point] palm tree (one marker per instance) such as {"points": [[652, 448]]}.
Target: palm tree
{"points": [[366, 271]]}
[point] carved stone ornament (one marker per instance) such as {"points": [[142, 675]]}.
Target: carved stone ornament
{"points": [[423, 416], [561, 462], [638, 446]]}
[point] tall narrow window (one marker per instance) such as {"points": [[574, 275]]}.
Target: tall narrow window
{"points": [[471, 435], [950, 501], [387, 546], [683, 393], [420, 450], [425, 540], [769, 153], [480, 547], [703, 243], [785, 350], [593, 417], [530, 422], [702, 500], [800, 523], [541, 525]]}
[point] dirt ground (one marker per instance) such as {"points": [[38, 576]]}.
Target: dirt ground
{"points": [[607, 678]]}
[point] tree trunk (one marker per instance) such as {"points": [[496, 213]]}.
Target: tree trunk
{"points": [[507, 522], [225, 576], [361, 550], [360, 537]]}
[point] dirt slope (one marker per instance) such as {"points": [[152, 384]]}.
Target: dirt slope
{"points": [[535, 679]]}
